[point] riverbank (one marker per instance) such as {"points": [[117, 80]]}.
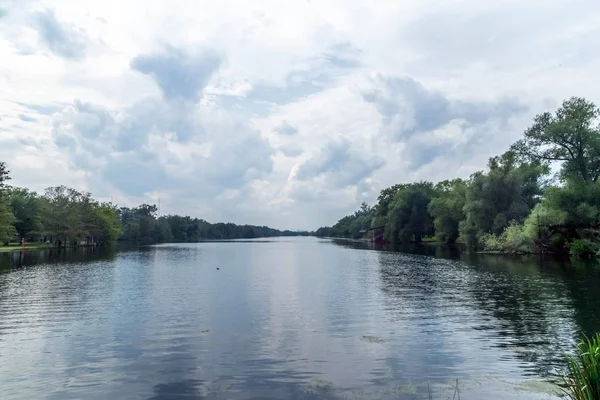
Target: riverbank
{"points": [[27, 247]]}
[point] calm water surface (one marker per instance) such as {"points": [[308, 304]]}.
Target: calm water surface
{"points": [[287, 318]]}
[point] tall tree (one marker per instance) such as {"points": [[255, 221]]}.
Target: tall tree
{"points": [[570, 136], [386, 196], [447, 209], [7, 219], [104, 226], [508, 192], [351, 225], [27, 209], [408, 218], [4, 174], [63, 218]]}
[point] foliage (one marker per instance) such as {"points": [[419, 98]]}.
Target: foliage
{"points": [[4, 175], [569, 136], [351, 225], [542, 227], [582, 381], [27, 209], [447, 209], [584, 248], [7, 219], [384, 200], [513, 240], [324, 231], [508, 192], [408, 217]]}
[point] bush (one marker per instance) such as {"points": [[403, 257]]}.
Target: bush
{"points": [[583, 377], [514, 239], [583, 248]]}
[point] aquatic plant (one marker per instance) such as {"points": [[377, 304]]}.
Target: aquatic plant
{"points": [[372, 339], [582, 381]]}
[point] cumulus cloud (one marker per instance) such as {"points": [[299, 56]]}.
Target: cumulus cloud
{"points": [[409, 108], [136, 150], [343, 55], [25, 118], [62, 39], [285, 128], [430, 123], [319, 72], [340, 164], [291, 149], [179, 74]]}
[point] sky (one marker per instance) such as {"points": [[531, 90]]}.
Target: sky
{"points": [[281, 113]]}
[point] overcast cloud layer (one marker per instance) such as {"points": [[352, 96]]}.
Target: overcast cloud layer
{"points": [[288, 114]]}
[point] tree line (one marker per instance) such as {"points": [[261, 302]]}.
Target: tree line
{"points": [[540, 196], [64, 216]]}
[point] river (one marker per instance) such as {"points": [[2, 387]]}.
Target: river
{"points": [[302, 318]]}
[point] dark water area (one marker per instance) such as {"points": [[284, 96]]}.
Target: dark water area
{"points": [[301, 318]]}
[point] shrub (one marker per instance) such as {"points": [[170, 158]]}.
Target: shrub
{"points": [[583, 248], [514, 239]]}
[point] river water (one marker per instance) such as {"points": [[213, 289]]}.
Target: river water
{"points": [[287, 318]]}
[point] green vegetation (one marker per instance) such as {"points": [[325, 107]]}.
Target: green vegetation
{"points": [[514, 206], [63, 216], [27, 246], [583, 378]]}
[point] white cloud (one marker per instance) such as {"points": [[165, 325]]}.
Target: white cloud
{"points": [[285, 128], [287, 114]]}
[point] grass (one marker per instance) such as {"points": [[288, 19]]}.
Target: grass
{"points": [[583, 377], [28, 246]]}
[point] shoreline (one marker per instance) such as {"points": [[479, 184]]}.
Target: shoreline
{"points": [[10, 249]]}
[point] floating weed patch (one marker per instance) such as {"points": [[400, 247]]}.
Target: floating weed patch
{"points": [[400, 390], [372, 339], [317, 386], [536, 386]]}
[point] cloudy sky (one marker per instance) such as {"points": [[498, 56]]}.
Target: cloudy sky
{"points": [[285, 113]]}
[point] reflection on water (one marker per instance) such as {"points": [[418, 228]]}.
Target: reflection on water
{"points": [[287, 318]]}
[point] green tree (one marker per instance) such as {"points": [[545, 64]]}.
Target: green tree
{"points": [[350, 226], [580, 204], [26, 206], [7, 219], [447, 209], [570, 136], [162, 231], [138, 223], [382, 208], [543, 227], [408, 217], [323, 231], [104, 225], [4, 175], [507, 193], [62, 215]]}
